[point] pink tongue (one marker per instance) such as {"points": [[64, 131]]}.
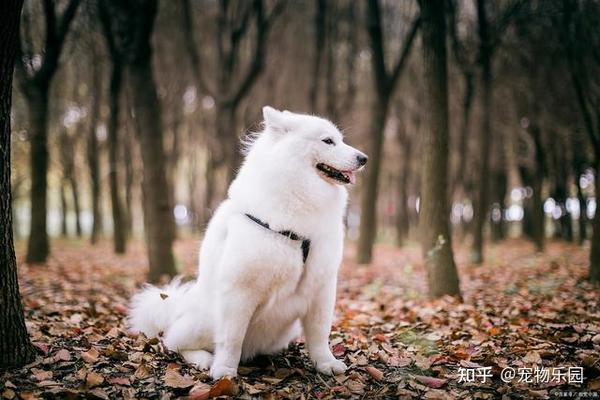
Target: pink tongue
{"points": [[351, 177]]}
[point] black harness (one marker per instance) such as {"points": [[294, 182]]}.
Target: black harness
{"points": [[289, 234]]}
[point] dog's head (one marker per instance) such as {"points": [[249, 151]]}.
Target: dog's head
{"points": [[313, 141]]}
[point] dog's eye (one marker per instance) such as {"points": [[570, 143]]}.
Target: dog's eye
{"points": [[328, 141]]}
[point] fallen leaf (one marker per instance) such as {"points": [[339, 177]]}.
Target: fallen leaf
{"points": [[174, 379], [375, 373], [123, 381], [41, 375], [97, 393], [142, 372], [120, 308], [538, 394], [90, 356], [42, 347], [355, 386], [200, 391], [532, 357], [594, 384], [339, 350], [430, 381], [224, 387], [62, 355], [93, 379]]}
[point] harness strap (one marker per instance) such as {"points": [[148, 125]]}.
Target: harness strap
{"points": [[287, 233]]}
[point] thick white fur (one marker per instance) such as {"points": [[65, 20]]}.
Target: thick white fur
{"points": [[254, 295]]}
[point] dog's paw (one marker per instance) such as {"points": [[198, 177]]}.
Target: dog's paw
{"points": [[331, 367], [219, 371], [202, 359]]}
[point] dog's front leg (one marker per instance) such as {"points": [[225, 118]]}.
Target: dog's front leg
{"points": [[317, 326], [234, 313]]}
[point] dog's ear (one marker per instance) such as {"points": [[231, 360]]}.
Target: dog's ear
{"points": [[275, 119]]}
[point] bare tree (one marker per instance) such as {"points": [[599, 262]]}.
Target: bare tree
{"points": [[234, 80], [384, 81], [489, 38], [15, 347], [131, 24], [114, 104], [35, 77], [464, 56], [434, 225], [93, 150]]}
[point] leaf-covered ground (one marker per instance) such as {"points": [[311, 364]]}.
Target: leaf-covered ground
{"points": [[526, 311]]}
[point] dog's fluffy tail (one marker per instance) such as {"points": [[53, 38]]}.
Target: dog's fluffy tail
{"points": [[154, 309]]}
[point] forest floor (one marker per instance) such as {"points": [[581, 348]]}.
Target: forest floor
{"points": [[532, 314]]}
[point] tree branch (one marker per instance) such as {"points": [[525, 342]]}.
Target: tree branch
{"points": [[193, 53], [406, 47], [55, 38], [376, 41], [263, 26]]}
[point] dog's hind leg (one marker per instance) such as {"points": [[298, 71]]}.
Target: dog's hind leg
{"points": [[201, 358]]}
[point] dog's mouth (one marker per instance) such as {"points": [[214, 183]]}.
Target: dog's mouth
{"points": [[344, 177]]}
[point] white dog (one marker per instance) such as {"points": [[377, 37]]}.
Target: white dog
{"points": [[270, 255]]}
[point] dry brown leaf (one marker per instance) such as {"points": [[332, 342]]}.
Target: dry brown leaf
{"points": [[119, 380], [142, 372], [532, 357], [430, 381], [538, 394], [40, 374], [374, 372], [97, 393], [200, 391], [594, 384], [94, 379], [62, 355], [355, 386], [224, 387], [90, 356], [174, 379]]}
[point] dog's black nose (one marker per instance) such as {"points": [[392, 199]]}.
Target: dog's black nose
{"points": [[362, 159]]}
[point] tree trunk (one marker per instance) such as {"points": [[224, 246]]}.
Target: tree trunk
{"points": [[64, 231], [595, 250], [77, 209], [158, 214], [15, 347], [209, 189], [228, 136], [128, 156], [38, 246], [434, 224], [578, 166], [458, 184], [384, 82], [582, 213], [499, 190], [368, 206], [402, 217], [320, 24], [93, 151], [538, 220], [119, 234], [480, 208], [537, 214]]}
